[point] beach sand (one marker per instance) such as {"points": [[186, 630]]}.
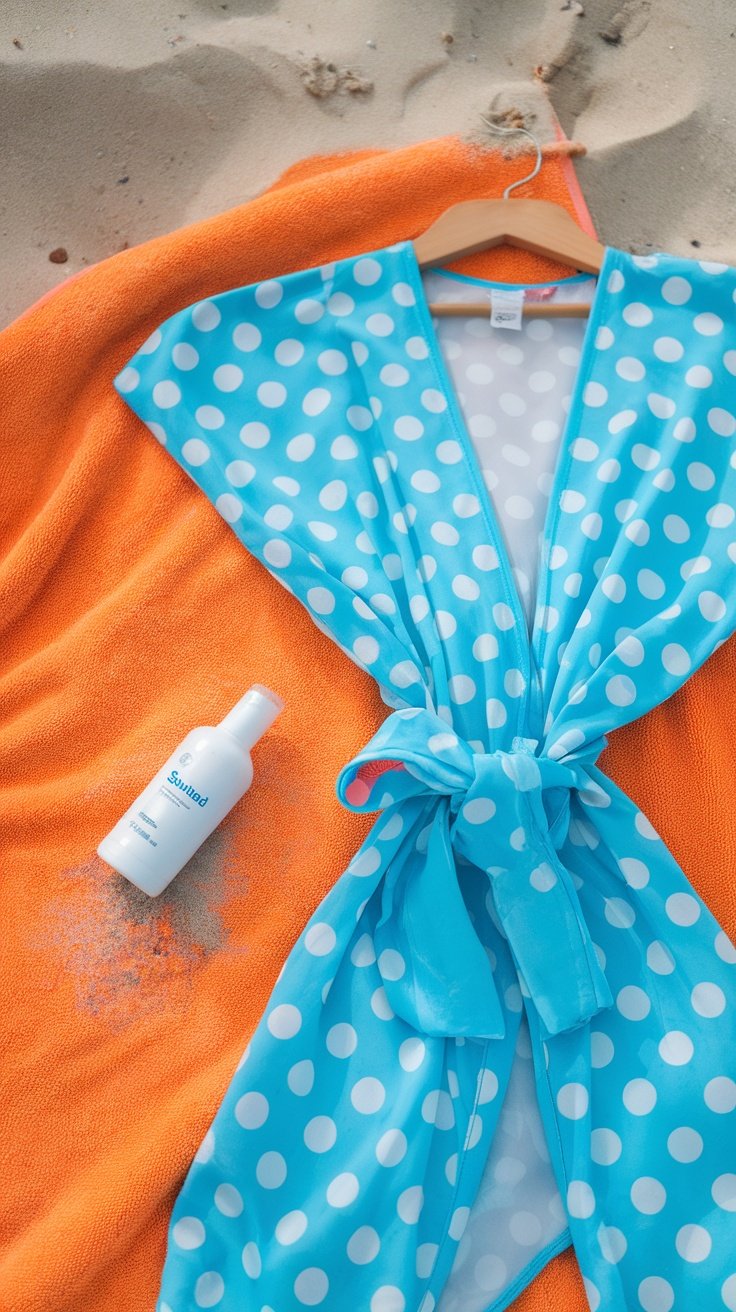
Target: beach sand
{"points": [[122, 121]]}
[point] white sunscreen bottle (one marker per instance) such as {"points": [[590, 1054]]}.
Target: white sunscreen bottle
{"points": [[193, 791]]}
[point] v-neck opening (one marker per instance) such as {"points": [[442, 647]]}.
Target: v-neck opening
{"points": [[525, 639]]}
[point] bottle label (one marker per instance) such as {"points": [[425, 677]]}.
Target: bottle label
{"points": [[175, 778]]}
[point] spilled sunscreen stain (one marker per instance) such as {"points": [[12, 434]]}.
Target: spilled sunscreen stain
{"points": [[130, 954]]}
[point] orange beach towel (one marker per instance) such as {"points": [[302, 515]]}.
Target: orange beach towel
{"points": [[130, 613]]}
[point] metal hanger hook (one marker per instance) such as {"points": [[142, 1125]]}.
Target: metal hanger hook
{"points": [[495, 128]]}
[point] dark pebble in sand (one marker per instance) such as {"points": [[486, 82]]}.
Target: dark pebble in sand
{"points": [[58, 255]]}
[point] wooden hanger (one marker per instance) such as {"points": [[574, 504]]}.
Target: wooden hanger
{"points": [[533, 225]]}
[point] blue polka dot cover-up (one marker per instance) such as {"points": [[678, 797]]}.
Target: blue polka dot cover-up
{"points": [[509, 1026]]}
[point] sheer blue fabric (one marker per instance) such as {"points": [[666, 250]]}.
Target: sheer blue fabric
{"points": [[506, 881]]}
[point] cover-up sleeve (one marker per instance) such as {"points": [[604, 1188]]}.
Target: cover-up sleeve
{"points": [[258, 394]]}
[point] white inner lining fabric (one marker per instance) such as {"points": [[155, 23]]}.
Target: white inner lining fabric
{"points": [[514, 391]]}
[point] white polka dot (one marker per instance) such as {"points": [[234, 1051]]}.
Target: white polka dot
{"points": [[634, 871], [571, 501], [682, 909], [437, 1109], [410, 1204], [209, 1289], [412, 1053], [700, 476], [251, 1111], [391, 1148], [676, 290], [511, 404], [685, 1144], [580, 1199], [320, 1134], [720, 1094], [128, 379], [209, 417], [228, 507], [227, 377], [630, 650], [479, 810], [668, 349], [205, 316], [461, 689], [423, 480], [675, 659], [284, 1021], [724, 1192], [487, 1086], [366, 271], [591, 1292], [188, 1233], [624, 419], [444, 533], [612, 1242], [368, 1095], [366, 649], [697, 565], [621, 690], [291, 1227], [708, 1000], [449, 453], [650, 584], [228, 1200], [333, 495], [698, 375], [633, 1003], [320, 939], [693, 1243], [630, 368], [301, 1078], [343, 1190], [619, 913], [572, 1101], [636, 314], [196, 452], [270, 1170], [676, 1048], [321, 600], [403, 294], [311, 1286], [166, 394], [495, 713], [711, 606], [594, 394], [391, 964], [728, 1293], [315, 401], [206, 1148], [525, 1228], [388, 1298], [252, 1261], [605, 1147], [341, 1040], [655, 1293], [720, 515], [364, 1245], [518, 507], [639, 1097], [648, 1195], [725, 949]]}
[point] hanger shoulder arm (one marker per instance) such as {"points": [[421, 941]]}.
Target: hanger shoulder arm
{"points": [[541, 226]]}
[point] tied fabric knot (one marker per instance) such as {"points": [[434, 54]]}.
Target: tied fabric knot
{"points": [[507, 813]]}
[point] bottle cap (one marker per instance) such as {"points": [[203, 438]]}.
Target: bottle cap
{"points": [[252, 715]]}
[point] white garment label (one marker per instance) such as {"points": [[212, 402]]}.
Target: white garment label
{"points": [[506, 307]]}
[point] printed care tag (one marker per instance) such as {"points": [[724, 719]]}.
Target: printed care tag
{"points": [[506, 307]]}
